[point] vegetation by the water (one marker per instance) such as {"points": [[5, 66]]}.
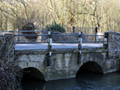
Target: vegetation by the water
{"points": [[10, 78]]}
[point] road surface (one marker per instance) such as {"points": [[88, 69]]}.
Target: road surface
{"points": [[54, 46]]}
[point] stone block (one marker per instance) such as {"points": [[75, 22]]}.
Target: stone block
{"points": [[22, 64], [23, 58], [33, 64], [39, 58], [59, 62], [113, 45], [67, 59], [34, 57]]}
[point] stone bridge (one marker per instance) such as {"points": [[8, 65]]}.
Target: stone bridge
{"points": [[66, 62]]}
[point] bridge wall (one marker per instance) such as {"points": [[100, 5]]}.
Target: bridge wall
{"points": [[64, 64]]}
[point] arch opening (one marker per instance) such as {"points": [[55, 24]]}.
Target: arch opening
{"points": [[31, 73], [90, 67]]}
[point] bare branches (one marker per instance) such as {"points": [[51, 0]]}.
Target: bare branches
{"points": [[85, 13], [25, 9]]}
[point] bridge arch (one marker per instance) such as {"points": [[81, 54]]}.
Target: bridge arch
{"points": [[33, 72], [90, 66]]}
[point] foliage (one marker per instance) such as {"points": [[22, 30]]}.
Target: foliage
{"points": [[8, 77], [55, 27]]}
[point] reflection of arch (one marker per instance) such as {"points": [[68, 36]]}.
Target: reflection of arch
{"points": [[90, 66], [33, 72]]}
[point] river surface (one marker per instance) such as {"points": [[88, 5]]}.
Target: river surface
{"points": [[82, 82]]}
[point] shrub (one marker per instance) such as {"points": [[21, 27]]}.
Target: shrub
{"points": [[55, 27], [10, 78]]}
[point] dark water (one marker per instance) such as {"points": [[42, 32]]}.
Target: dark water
{"points": [[82, 82]]}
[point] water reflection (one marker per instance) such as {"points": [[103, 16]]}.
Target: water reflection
{"points": [[83, 82]]}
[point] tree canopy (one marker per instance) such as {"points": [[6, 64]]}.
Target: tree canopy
{"points": [[79, 13]]}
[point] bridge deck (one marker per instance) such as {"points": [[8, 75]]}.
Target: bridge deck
{"points": [[54, 46]]}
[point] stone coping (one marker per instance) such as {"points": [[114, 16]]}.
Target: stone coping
{"points": [[97, 50]]}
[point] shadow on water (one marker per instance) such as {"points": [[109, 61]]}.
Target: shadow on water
{"points": [[31, 83], [89, 77], [85, 81], [97, 81], [89, 80]]}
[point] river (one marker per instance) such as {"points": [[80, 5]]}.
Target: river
{"points": [[85, 81]]}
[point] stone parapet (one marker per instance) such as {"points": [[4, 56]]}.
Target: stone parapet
{"points": [[113, 45]]}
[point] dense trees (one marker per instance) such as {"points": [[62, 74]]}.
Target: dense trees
{"points": [[80, 13]]}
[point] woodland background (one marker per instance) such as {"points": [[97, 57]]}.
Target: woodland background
{"points": [[79, 13]]}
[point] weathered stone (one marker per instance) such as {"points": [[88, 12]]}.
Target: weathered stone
{"points": [[23, 64], [59, 62], [38, 57], [113, 44], [64, 65], [24, 58], [67, 59], [33, 64]]}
